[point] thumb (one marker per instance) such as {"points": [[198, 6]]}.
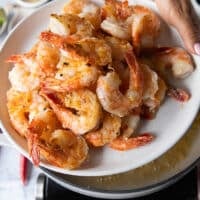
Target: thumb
{"points": [[190, 33]]}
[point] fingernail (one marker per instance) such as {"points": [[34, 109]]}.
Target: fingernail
{"points": [[197, 48]]}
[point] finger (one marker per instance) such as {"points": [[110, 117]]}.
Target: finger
{"points": [[190, 33], [181, 15]]}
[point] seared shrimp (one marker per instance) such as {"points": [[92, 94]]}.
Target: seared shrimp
{"points": [[174, 58], [96, 50], [22, 79], [117, 19], [71, 26], [72, 75], [109, 130], [47, 58], [59, 147], [112, 99], [119, 47], [23, 107], [25, 75], [84, 9], [123, 144], [67, 150], [18, 104], [145, 27], [150, 84], [74, 109]]}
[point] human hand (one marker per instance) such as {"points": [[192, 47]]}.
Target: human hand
{"points": [[181, 15]]}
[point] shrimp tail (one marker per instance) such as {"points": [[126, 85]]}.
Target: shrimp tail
{"points": [[33, 148], [178, 94], [15, 59], [123, 144]]}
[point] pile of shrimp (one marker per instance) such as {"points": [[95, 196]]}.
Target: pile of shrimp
{"points": [[90, 79]]}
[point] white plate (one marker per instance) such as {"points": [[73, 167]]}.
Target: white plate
{"points": [[172, 121], [31, 4]]}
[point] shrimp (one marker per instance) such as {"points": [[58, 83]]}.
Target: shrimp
{"points": [[84, 9], [25, 75], [129, 125], [67, 151], [145, 28], [119, 47], [72, 75], [117, 19], [154, 91], [47, 58], [151, 105], [96, 50], [18, 107], [150, 82], [112, 99], [71, 26], [106, 133], [59, 147], [23, 79], [23, 107], [74, 109], [123, 144], [174, 58]]}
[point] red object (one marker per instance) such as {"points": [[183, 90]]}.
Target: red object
{"points": [[23, 168]]}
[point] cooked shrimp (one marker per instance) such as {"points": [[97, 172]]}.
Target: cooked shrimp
{"points": [[159, 95], [117, 19], [150, 82], [119, 47], [129, 125], [112, 99], [47, 58], [18, 107], [108, 131], [41, 125], [72, 75], [96, 50], [151, 105], [74, 109], [84, 9], [174, 58], [23, 107], [25, 75], [123, 144], [23, 79], [145, 27], [117, 9], [59, 147], [66, 150], [71, 26]]}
